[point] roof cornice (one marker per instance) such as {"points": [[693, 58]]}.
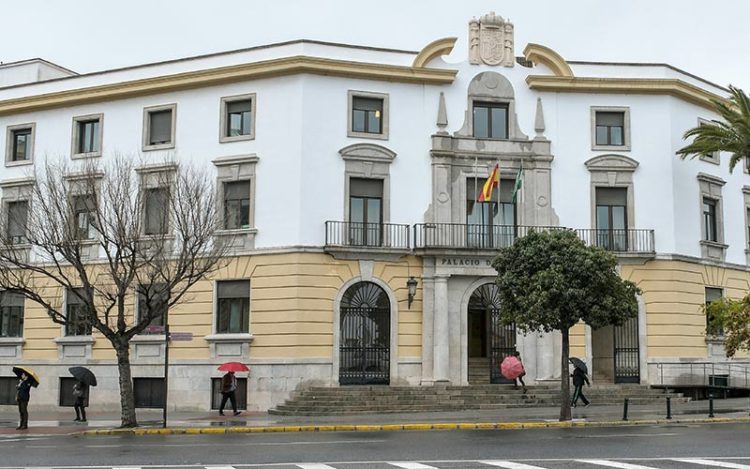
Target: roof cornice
{"points": [[230, 74]]}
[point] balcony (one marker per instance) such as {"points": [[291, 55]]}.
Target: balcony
{"points": [[440, 236], [358, 237]]}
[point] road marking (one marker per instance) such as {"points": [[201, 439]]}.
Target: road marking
{"points": [[411, 465], [709, 462], [619, 465], [510, 465], [314, 466], [219, 467]]}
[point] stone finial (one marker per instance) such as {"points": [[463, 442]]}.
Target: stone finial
{"points": [[491, 41], [539, 120], [442, 117]]}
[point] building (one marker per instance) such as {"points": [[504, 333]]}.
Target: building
{"points": [[351, 173]]}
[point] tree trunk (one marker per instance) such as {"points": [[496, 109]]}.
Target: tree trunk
{"points": [[564, 378], [127, 398]]}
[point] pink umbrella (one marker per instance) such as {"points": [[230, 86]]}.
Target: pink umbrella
{"points": [[511, 367]]}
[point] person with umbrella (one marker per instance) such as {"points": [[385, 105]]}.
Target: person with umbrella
{"points": [[27, 379], [579, 377], [84, 378], [512, 368], [229, 385]]}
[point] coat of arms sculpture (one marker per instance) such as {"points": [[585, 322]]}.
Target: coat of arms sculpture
{"points": [[491, 41]]}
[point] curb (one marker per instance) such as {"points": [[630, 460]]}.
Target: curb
{"points": [[406, 426]]}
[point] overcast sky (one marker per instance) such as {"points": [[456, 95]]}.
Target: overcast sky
{"points": [[708, 38]]}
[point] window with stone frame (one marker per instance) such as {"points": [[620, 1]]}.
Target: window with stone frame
{"points": [[713, 294], [367, 115], [233, 307], [21, 145], [154, 297], [159, 127], [84, 216], [490, 120], [11, 314], [156, 211], [610, 128], [87, 135], [236, 205], [17, 220], [492, 223], [710, 227], [76, 322], [365, 211], [239, 118]]}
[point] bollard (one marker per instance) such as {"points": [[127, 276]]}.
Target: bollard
{"points": [[711, 407], [669, 408], [625, 409]]}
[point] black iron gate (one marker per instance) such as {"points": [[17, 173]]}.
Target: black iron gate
{"points": [[627, 353], [502, 337], [365, 336]]}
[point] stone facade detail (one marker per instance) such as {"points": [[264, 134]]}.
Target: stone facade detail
{"points": [[491, 41]]}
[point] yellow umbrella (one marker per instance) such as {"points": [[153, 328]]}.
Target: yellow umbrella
{"points": [[19, 370]]}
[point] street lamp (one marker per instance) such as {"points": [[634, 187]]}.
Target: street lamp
{"points": [[411, 288]]}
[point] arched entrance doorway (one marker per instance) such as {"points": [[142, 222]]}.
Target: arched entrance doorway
{"points": [[365, 342], [489, 340]]}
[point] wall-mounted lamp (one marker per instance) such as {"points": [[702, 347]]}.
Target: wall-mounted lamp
{"points": [[411, 288]]}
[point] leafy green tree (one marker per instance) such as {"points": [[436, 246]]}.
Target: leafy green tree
{"points": [[731, 134], [733, 318], [549, 281]]}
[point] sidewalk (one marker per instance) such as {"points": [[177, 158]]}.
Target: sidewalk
{"points": [[150, 420]]}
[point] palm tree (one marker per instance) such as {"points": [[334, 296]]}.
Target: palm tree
{"points": [[731, 134]]}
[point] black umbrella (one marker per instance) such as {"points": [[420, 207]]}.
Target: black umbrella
{"points": [[83, 375], [578, 363]]}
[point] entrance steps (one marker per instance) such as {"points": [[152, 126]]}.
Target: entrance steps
{"points": [[441, 398]]}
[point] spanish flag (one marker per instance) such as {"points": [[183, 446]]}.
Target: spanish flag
{"points": [[491, 182]]}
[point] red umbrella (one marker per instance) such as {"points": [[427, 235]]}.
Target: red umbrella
{"points": [[511, 367], [233, 366]]}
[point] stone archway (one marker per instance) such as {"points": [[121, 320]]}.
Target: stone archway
{"points": [[489, 341]]}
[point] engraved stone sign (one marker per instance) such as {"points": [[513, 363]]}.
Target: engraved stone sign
{"points": [[491, 41]]}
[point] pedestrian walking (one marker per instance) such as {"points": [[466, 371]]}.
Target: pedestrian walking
{"points": [[228, 392], [579, 377], [23, 394], [519, 378], [80, 392]]}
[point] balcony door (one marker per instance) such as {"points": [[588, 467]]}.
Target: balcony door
{"points": [[611, 218], [492, 224], [365, 211]]}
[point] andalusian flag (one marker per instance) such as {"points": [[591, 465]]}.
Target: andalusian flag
{"points": [[491, 182], [519, 183]]}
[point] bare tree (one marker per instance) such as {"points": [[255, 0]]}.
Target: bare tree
{"points": [[100, 234]]}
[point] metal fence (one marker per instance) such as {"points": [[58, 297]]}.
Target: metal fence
{"points": [[619, 240], [701, 374], [468, 236], [383, 235]]}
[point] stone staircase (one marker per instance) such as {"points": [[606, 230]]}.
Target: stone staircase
{"points": [[390, 399], [479, 370]]}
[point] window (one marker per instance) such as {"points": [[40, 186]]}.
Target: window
{"points": [[84, 216], [241, 393], [8, 390], [156, 204], [491, 120], [87, 135], [490, 224], [712, 157], [20, 144], [148, 392], [365, 211], [159, 127], [236, 205], [713, 294], [153, 298], [17, 220], [709, 220], [76, 314], [610, 128], [747, 221], [611, 218], [11, 314], [237, 118], [368, 115], [233, 307], [66, 398]]}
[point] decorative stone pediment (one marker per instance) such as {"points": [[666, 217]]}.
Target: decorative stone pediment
{"points": [[491, 41], [611, 162], [491, 87], [367, 152]]}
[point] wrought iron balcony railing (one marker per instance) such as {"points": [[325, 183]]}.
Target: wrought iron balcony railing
{"points": [[367, 235], [619, 240]]}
